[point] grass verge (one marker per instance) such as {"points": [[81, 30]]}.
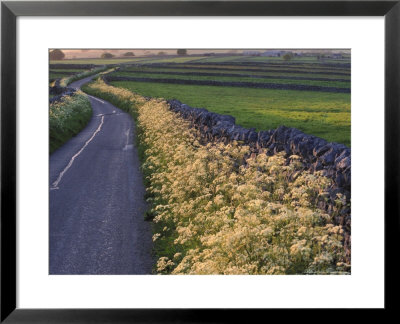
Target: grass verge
{"points": [[67, 118]]}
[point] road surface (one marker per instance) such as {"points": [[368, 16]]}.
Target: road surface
{"points": [[97, 199]]}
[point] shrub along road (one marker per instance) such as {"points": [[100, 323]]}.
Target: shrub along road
{"points": [[97, 199]]}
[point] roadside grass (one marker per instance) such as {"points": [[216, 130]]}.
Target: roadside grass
{"points": [[67, 118], [233, 79], [117, 99], [326, 115]]}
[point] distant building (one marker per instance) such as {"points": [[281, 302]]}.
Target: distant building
{"points": [[273, 53], [251, 53], [337, 55]]}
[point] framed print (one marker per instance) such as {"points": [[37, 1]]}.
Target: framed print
{"points": [[246, 146]]}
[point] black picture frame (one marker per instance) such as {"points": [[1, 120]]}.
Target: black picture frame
{"points": [[11, 10]]}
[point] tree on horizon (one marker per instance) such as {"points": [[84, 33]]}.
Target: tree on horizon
{"points": [[56, 55], [107, 55], [181, 52]]}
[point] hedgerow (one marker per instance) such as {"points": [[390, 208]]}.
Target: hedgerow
{"points": [[67, 118]]}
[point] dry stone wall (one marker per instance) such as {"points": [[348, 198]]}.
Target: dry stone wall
{"points": [[58, 91], [317, 154]]}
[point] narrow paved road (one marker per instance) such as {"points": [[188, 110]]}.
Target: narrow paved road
{"points": [[97, 199]]}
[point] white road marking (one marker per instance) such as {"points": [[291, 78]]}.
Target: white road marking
{"points": [[114, 113], [54, 188], [127, 146], [55, 183], [96, 99], [127, 135]]}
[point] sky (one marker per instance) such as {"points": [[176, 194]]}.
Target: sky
{"points": [[93, 53]]}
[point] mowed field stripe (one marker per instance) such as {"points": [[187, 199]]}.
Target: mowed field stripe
{"points": [[236, 75], [247, 69], [237, 71], [255, 85], [312, 66], [289, 79]]}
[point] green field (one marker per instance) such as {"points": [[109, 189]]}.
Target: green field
{"points": [[274, 67], [218, 59], [120, 60], [323, 114], [203, 59], [247, 70], [67, 70], [74, 74], [98, 61], [297, 59], [235, 79], [64, 73], [53, 76], [260, 68], [254, 72], [178, 59]]}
